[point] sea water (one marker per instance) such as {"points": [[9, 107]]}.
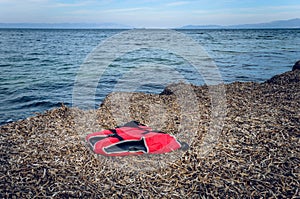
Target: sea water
{"points": [[38, 67]]}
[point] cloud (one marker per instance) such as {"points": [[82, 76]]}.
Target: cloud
{"points": [[178, 3], [60, 5], [6, 1], [289, 7], [119, 10], [37, 1], [22, 2]]}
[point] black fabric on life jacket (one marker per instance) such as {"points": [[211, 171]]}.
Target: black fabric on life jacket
{"points": [[130, 146], [136, 124], [94, 140]]}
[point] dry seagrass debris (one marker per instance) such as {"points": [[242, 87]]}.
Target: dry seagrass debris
{"points": [[255, 155]]}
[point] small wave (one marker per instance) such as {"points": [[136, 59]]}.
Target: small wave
{"points": [[44, 104], [22, 99], [6, 122], [5, 65], [31, 59], [242, 78]]}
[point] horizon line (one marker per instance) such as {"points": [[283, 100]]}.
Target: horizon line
{"points": [[113, 25]]}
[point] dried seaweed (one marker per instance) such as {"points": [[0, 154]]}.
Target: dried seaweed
{"points": [[257, 153]]}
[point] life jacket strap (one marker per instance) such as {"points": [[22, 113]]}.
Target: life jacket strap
{"points": [[115, 134], [152, 131]]}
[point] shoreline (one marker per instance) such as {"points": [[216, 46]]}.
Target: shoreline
{"points": [[256, 154]]}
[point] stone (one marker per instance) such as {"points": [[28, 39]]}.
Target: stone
{"points": [[296, 66]]}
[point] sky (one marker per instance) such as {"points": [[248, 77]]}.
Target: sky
{"points": [[148, 13]]}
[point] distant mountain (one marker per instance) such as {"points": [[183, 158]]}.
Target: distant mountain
{"points": [[201, 27], [65, 25], [291, 23]]}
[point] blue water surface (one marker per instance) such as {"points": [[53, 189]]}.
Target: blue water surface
{"points": [[39, 66]]}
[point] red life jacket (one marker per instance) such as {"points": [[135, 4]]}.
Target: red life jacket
{"points": [[132, 139]]}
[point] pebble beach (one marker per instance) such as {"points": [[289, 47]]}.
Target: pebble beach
{"points": [[255, 155]]}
